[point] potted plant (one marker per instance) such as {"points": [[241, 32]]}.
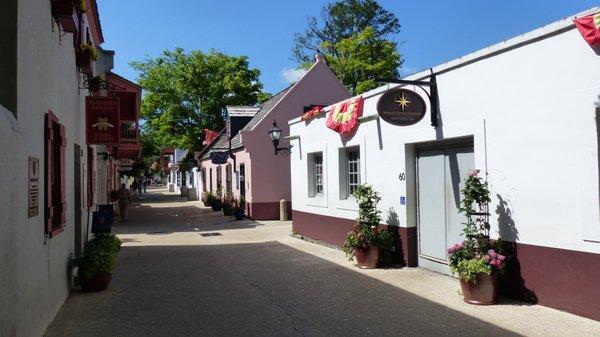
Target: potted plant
{"points": [[86, 54], [239, 210], [216, 204], [98, 261], [476, 260], [367, 239], [228, 203], [66, 13], [207, 198]]}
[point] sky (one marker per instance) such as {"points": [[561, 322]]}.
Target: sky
{"points": [[433, 31]]}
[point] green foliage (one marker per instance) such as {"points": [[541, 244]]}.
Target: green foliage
{"points": [[362, 58], [187, 92], [341, 20], [263, 97], [240, 204], [86, 48], [367, 232], [356, 37], [476, 254], [468, 269], [99, 255], [209, 198]]}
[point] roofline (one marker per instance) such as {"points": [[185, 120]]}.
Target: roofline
{"points": [[123, 79], [287, 93], [555, 28]]}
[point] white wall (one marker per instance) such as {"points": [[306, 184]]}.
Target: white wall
{"points": [[34, 273], [538, 103]]}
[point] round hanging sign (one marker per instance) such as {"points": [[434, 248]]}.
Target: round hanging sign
{"points": [[401, 107]]}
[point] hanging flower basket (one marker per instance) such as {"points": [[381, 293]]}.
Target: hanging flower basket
{"points": [[86, 55]]}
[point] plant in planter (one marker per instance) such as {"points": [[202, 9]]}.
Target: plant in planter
{"points": [[86, 54], [367, 239], [228, 204], [207, 198], [239, 210], [476, 260], [98, 261], [217, 204]]}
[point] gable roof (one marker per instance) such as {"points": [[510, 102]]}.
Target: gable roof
{"points": [[266, 108]]}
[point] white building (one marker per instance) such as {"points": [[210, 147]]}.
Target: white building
{"points": [[525, 112], [51, 178]]}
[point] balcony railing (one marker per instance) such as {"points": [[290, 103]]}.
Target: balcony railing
{"points": [[130, 132]]}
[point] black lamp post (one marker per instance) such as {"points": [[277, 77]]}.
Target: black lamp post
{"points": [[275, 135]]}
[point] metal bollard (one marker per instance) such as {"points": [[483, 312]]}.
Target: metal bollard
{"points": [[283, 216]]}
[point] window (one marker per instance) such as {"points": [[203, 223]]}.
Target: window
{"points": [[203, 173], [315, 174], [219, 178], [55, 155], [90, 176], [210, 180], [8, 54], [349, 171], [228, 178]]}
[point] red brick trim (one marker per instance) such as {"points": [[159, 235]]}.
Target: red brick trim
{"points": [[266, 210]]}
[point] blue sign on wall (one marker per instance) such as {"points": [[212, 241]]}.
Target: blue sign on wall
{"points": [[402, 200], [219, 158]]}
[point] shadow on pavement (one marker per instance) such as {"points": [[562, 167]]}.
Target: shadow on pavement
{"points": [[263, 289]]}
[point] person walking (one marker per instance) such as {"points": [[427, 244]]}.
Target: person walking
{"points": [[124, 202], [145, 183]]}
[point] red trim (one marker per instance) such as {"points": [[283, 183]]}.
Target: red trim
{"points": [[266, 210]]}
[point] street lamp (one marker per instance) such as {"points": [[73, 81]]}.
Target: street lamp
{"points": [[275, 135]]}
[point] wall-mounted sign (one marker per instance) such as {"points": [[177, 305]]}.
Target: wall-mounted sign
{"points": [[33, 187], [401, 107], [124, 168], [219, 158], [102, 120], [124, 162]]}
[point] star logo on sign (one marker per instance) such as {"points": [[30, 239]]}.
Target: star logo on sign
{"points": [[402, 101]]}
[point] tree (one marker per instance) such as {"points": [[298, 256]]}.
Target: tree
{"points": [[341, 20], [185, 93], [362, 58]]}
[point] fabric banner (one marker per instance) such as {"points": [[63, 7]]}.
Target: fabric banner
{"points": [[344, 116], [312, 113], [209, 136], [589, 27]]}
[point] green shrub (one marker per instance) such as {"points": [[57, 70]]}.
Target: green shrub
{"points": [[79, 6], [99, 255], [86, 48]]}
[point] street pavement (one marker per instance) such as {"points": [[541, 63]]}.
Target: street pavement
{"points": [[184, 270]]}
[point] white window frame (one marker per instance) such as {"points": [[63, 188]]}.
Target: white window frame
{"points": [[350, 172], [313, 175]]}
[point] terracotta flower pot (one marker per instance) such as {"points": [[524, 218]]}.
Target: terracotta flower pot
{"points": [[368, 258], [97, 282], [84, 61], [484, 291]]}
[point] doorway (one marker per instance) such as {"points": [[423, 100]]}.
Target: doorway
{"points": [[440, 177], [77, 183], [243, 181]]}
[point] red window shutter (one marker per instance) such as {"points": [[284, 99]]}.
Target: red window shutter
{"points": [[63, 153], [49, 155]]}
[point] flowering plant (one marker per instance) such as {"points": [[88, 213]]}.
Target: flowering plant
{"points": [[366, 232], [476, 254]]}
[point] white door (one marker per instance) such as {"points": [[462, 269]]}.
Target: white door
{"points": [[440, 173]]}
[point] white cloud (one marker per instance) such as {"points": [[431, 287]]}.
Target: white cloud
{"points": [[291, 75]]}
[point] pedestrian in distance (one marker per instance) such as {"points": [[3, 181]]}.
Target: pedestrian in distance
{"points": [[145, 184], [124, 201]]}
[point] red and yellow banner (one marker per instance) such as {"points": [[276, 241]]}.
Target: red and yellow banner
{"points": [[344, 116], [589, 27], [209, 136], [102, 120], [312, 113]]}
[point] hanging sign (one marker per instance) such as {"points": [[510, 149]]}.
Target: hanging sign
{"points": [[219, 158], [102, 120], [344, 116], [589, 27], [33, 188], [401, 107]]}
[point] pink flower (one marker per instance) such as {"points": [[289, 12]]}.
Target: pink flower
{"points": [[473, 173], [492, 253], [501, 257], [493, 262], [487, 258]]}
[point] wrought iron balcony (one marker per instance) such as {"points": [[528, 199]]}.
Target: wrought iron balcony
{"points": [[130, 132]]}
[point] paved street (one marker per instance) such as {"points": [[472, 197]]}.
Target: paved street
{"points": [[186, 271]]}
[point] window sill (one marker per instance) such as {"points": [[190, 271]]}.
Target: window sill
{"points": [[317, 201]]}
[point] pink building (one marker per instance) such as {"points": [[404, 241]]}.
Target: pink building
{"points": [[252, 169]]}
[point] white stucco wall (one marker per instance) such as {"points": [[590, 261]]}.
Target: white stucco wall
{"points": [[34, 269], [538, 104]]}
